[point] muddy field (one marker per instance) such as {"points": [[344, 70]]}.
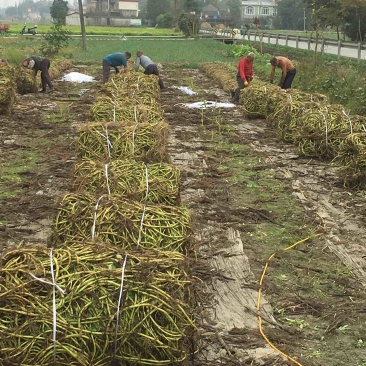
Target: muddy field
{"points": [[249, 195]]}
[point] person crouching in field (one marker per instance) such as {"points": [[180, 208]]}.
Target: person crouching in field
{"points": [[244, 75], [42, 64], [3, 62], [288, 71], [114, 60], [148, 65]]}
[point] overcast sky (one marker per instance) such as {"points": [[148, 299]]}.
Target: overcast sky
{"points": [[6, 3]]}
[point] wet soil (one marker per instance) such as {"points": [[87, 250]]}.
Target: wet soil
{"points": [[39, 139]]}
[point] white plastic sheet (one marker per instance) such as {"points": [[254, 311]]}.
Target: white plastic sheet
{"points": [[77, 77], [208, 104]]}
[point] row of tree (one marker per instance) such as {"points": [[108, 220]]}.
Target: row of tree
{"points": [[347, 17]]}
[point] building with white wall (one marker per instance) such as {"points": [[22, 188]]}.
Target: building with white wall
{"points": [[258, 8]]}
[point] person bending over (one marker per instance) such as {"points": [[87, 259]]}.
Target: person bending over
{"points": [[148, 65], [244, 75], [42, 64], [288, 71], [114, 60]]}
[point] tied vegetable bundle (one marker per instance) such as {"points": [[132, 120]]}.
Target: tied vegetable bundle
{"points": [[285, 108], [125, 140], [108, 109], [134, 85], [118, 221], [351, 159], [155, 183], [93, 305], [322, 129]]}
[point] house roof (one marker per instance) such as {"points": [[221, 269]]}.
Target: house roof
{"points": [[209, 7]]}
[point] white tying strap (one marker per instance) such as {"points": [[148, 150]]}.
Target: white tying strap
{"points": [[95, 217], [363, 127], [144, 209], [109, 144], [54, 286], [119, 304], [134, 131], [114, 84], [138, 83], [107, 179], [349, 120]]}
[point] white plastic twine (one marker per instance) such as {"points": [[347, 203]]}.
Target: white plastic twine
{"points": [[349, 120], [144, 209], [95, 217], [109, 144], [107, 179], [114, 84], [138, 83], [119, 305], [134, 131], [54, 286]]}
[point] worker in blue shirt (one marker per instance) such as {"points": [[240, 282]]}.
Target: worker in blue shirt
{"points": [[114, 60]]}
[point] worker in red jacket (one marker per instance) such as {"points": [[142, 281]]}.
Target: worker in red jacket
{"points": [[244, 75]]}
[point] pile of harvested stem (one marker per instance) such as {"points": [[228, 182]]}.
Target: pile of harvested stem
{"points": [[58, 66], [134, 82], [255, 99], [223, 73], [351, 157], [95, 311], [124, 140], [155, 183], [7, 94], [118, 221], [286, 106], [25, 81], [323, 127], [109, 109]]}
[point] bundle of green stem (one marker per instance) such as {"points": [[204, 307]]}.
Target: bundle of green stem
{"points": [[135, 83], [155, 183], [7, 72], [7, 95], [323, 127], [351, 157], [287, 107], [120, 109], [145, 141], [94, 305], [118, 221], [59, 65], [25, 81], [255, 99], [222, 72]]}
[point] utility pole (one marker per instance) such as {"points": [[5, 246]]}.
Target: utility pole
{"points": [[304, 20], [82, 24]]}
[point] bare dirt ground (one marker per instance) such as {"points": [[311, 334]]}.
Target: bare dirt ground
{"points": [[316, 318]]}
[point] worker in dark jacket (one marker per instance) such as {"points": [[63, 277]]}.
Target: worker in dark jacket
{"points": [[114, 60], [148, 65], [42, 64]]}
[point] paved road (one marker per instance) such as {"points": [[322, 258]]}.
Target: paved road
{"points": [[344, 50]]}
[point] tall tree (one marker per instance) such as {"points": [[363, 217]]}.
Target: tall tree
{"points": [[59, 10], [290, 14], [155, 8]]}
